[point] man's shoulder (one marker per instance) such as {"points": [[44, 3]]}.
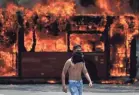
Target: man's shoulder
{"points": [[69, 60]]}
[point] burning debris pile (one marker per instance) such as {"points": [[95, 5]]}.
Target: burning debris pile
{"points": [[45, 25]]}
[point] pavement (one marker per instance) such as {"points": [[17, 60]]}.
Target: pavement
{"points": [[61, 93], [46, 89]]}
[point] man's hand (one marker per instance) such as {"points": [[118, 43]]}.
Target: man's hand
{"points": [[90, 84], [65, 89]]}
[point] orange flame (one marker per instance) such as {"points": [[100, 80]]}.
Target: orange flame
{"points": [[123, 51], [58, 9], [104, 5], [63, 10]]}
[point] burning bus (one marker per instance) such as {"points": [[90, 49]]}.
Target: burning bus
{"points": [[36, 43]]}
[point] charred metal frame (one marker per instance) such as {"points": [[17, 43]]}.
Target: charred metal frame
{"points": [[21, 47], [107, 43], [105, 34]]}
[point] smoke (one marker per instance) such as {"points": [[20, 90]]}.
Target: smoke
{"points": [[1, 3], [25, 3], [86, 6], [86, 3], [28, 3], [134, 5], [117, 39], [116, 7]]}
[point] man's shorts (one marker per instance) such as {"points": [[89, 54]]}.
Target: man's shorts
{"points": [[76, 87]]}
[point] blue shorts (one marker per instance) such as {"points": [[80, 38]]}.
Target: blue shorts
{"points": [[76, 87]]}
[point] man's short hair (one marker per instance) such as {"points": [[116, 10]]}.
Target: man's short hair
{"points": [[76, 46]]}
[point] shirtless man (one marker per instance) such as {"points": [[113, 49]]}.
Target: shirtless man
{"points": [[75, 66]]}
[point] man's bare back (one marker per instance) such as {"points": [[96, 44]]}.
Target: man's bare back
{"points": [[75, 70]]}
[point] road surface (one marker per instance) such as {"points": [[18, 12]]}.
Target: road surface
{"points": [[45, 89]]}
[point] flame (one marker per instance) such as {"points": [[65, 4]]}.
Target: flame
{"points": [[58, 9], [123, 50], [104, 5], [52, 81], [85, 43], [28, 41], [9, 68], [62, 10], [112, 81], [51, 43]]}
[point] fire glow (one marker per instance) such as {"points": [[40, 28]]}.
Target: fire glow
{"points": [[125, 27]]}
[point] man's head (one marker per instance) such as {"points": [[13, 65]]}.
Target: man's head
{"points": [[77, 48], [77, 57]]}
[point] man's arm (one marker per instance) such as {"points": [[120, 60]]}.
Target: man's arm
{"points": [[85, 72], [65, 69]]}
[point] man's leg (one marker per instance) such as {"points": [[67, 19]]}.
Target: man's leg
{"points": [[80, 87], [73, 88]]}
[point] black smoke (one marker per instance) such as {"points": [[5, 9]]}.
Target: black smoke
{"points": [[11, 38], [86, 3], [134, 5], [117, 39]]}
